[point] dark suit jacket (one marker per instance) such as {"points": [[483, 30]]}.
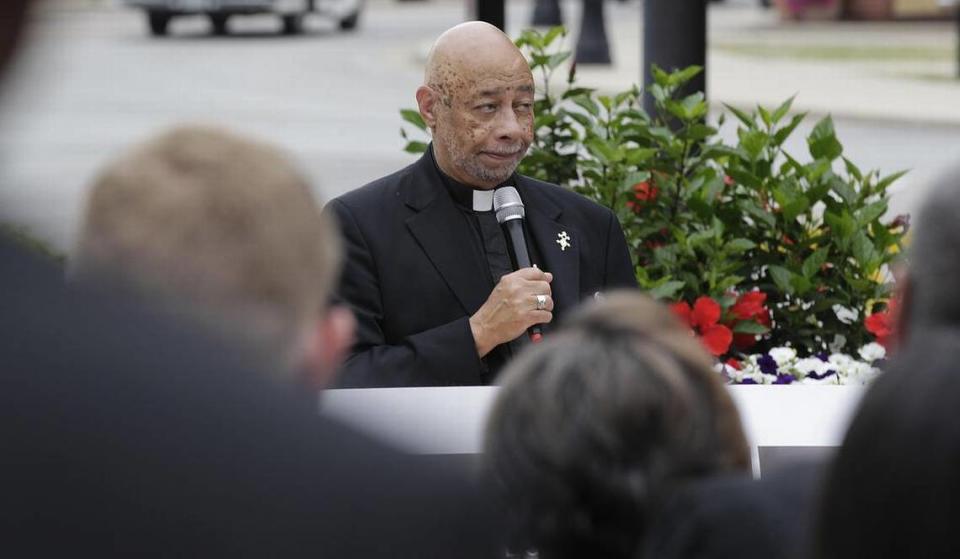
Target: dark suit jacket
{"points": [[413, 285], [125, 435], [736, 516]]}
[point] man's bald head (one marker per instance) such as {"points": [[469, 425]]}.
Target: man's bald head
{"points": [[477, 99], [467, 49]]}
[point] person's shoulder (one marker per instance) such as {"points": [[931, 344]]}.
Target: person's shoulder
{"points": [[374, 193], [566, 198]]}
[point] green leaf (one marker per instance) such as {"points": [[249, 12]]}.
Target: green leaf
{"points": [[782, 134], [750, 327], [764, 115], [823, 141], [415, 147], [783, 109], [666, 290], [853, 170], [683, 76], [637, 156], [753, 142], [557, 59], [604, 151], [813, 263], [553, 33], [795, 208], [871, 212], [740, 245], [863, 250], [588, 104], [660, 77], [744, 177], [889, 179], [747, 120], [700, 132], [781, 276], [414, 118]]}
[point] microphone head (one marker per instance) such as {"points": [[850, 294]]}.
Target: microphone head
{"points": [[507, 204]]}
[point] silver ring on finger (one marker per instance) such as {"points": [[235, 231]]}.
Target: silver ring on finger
{"points": [[541, 302]]}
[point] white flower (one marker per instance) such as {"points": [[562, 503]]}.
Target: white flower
{"points": [[839, 342], [783, 356], [845, 315], [811, 365], [832, 379], [872, 352]]}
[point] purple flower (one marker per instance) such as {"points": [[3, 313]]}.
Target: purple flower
{"points": [[823, 356], [783, 379], [767, 364], [814, 375], [748, 381]]}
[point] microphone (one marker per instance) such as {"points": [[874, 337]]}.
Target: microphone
{"points": [[510, 213]]}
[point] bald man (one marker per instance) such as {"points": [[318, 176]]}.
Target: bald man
{"points": [[428, 273]]}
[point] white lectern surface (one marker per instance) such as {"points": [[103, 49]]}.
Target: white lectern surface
{"points": [[450, 420]]}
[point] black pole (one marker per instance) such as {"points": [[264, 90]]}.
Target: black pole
{"points": [[492, 12], [592, 46], [547, 13], [956, 10], [674, 37]]}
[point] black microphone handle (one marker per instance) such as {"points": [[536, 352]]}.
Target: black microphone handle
{"points": [[519, 243]]}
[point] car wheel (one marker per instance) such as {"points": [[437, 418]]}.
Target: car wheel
{"points": [[292, 24], [219, 23], [158, 22]]}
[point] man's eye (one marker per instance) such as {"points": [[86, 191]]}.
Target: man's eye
{"points": [[524, 107], [487, 108]]}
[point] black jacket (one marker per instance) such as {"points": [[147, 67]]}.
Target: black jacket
{"points": [[413, 285]]}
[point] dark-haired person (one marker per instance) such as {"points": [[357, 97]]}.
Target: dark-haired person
{"points": [[927, 286], [893, 491], [594, 428], [428, 271]]}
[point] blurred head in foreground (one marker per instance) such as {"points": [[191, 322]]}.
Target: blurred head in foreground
{"points": [[224, 231], [893, 489], [928, 292], [593, 426]]}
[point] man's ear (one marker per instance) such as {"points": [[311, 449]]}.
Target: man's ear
{"points": [[427, 102], [330, 342]]}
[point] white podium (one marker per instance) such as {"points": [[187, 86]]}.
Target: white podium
{"points": [[450, 420]]}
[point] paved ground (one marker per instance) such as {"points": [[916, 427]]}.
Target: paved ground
{"points": [[92, 82]]}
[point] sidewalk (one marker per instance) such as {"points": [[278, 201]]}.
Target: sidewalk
{"points": [[874, 71]]}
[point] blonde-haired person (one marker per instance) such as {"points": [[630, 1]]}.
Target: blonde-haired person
{"points": [[222, 230], [594, 427]]}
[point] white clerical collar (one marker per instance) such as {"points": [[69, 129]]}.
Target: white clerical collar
{"points": [[483, 200]]}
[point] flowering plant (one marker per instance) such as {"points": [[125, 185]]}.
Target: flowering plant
{"points": [[756, 248], [782, 365]]}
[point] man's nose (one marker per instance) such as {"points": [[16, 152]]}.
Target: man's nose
{"points": [[509, 124]]}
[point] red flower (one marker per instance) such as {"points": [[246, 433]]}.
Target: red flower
{"points": [[704, 318], [734, 363], [728, 180], [750, 305], [643, 193], [706, 313], [883, 324], [717, 338]]}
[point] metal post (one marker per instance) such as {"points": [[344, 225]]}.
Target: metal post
{"points": [[674, 37], [547, 13], [492, 12], [592, 46]]}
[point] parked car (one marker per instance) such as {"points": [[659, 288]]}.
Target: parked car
{"points": [[291, 12]]}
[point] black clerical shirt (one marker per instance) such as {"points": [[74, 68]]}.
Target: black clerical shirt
{"points": [[489, 245]]}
